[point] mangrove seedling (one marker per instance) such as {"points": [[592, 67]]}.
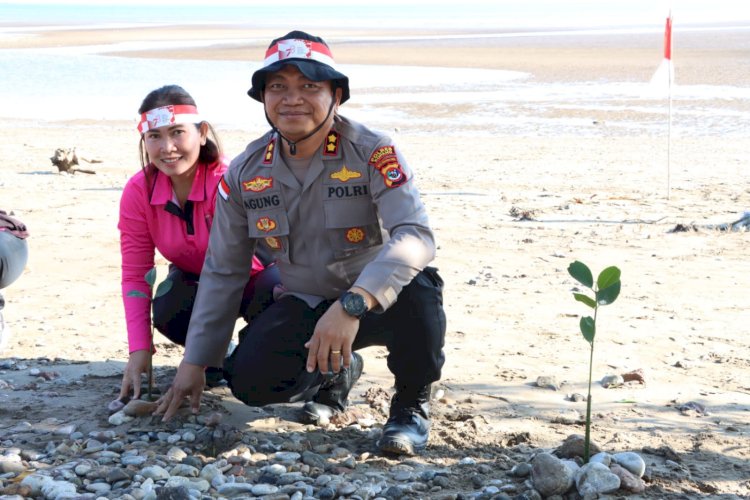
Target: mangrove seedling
{"points": [[605, 290], [163, 288]]}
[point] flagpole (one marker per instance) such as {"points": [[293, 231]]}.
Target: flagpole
{"points": [[670, 71]]}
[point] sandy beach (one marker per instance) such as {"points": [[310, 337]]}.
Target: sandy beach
{"points": [[510, 214]]}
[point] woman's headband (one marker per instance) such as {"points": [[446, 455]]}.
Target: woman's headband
{"points": [[168, 115]]}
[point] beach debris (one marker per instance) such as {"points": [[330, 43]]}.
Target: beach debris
{"points": [[741, 224], [609, 381], [547, 382], [522, 214], [634, 376], [683, 228], [66, 160], [692, 409]]}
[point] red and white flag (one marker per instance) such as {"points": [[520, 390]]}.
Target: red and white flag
{"points": [[664, 74]]}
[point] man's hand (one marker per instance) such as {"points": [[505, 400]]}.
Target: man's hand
{"points": [[137, 364], [188, 382], [333, 337]]}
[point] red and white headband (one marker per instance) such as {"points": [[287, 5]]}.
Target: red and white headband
{"points": [[299, 49], [168, 115]]}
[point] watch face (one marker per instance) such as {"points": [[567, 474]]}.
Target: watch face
{"points": [[354, 304]]}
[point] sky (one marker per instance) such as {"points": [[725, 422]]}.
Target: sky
{"points": [[514, 12]]}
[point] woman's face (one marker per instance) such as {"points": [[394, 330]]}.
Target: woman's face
{"points": [[174, 149]]}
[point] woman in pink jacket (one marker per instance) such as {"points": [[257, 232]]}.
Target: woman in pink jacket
{"points": [[169, 206]]}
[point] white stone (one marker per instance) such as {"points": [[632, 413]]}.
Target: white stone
{"points": [[119, 418], [630, 461]]}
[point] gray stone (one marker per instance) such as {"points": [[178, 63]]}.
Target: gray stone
{"points": [[595, 479], [550, 475]]}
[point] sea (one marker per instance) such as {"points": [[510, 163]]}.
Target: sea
{"points": [[41, 86]]}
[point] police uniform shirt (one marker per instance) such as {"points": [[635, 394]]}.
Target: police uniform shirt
{"points": [[357, 219]]}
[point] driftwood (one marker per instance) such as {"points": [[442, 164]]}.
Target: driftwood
{"points": [[66, 160]]}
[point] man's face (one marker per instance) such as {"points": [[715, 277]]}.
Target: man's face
{"points": [[295, 104]]}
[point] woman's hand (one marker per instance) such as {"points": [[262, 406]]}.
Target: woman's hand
{"points": [[137, 364]]}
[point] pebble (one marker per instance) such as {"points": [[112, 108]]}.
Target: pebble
{"points": [[596, 479], [631, 462], [550, 475], [612, 381]]}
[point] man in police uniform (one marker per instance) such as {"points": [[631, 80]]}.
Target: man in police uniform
{"points": [[336, 205]]}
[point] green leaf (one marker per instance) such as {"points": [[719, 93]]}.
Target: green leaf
{"points": [[137, 293], [581, 273], [163, 288], [588, 328], [585, 299], [150, 277], [608, 295], [608, 277]]}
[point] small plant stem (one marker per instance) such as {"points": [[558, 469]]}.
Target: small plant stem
{"points": [[150, 385], [587, 437]]}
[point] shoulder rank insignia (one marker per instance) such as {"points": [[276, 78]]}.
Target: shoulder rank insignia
{"points": [[345, 174], [268, 155], [258, 184], [331, 146]]}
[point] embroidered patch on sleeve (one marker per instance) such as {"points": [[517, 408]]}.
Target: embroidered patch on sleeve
{"points": [[393, 175], [385, 161], [224, 189]]}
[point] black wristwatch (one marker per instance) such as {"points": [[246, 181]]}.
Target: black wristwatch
{"points": [[354, 304]]}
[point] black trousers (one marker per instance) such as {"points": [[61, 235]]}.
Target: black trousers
{"points": [[171, 312], [268, 366]]}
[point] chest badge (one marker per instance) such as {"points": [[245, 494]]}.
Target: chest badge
{"points": [[258, 184], [345, 174], [273, 242], [355, 235], [265, 224]]}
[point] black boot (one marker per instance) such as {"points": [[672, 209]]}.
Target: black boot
{"points": [[332, 396], [408, 427]]}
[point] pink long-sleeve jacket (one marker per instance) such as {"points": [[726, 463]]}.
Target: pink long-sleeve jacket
{"points": [[145, 226]]}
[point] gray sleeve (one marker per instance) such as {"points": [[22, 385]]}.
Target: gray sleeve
{"points": [[223, 279], [411, 246]]}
